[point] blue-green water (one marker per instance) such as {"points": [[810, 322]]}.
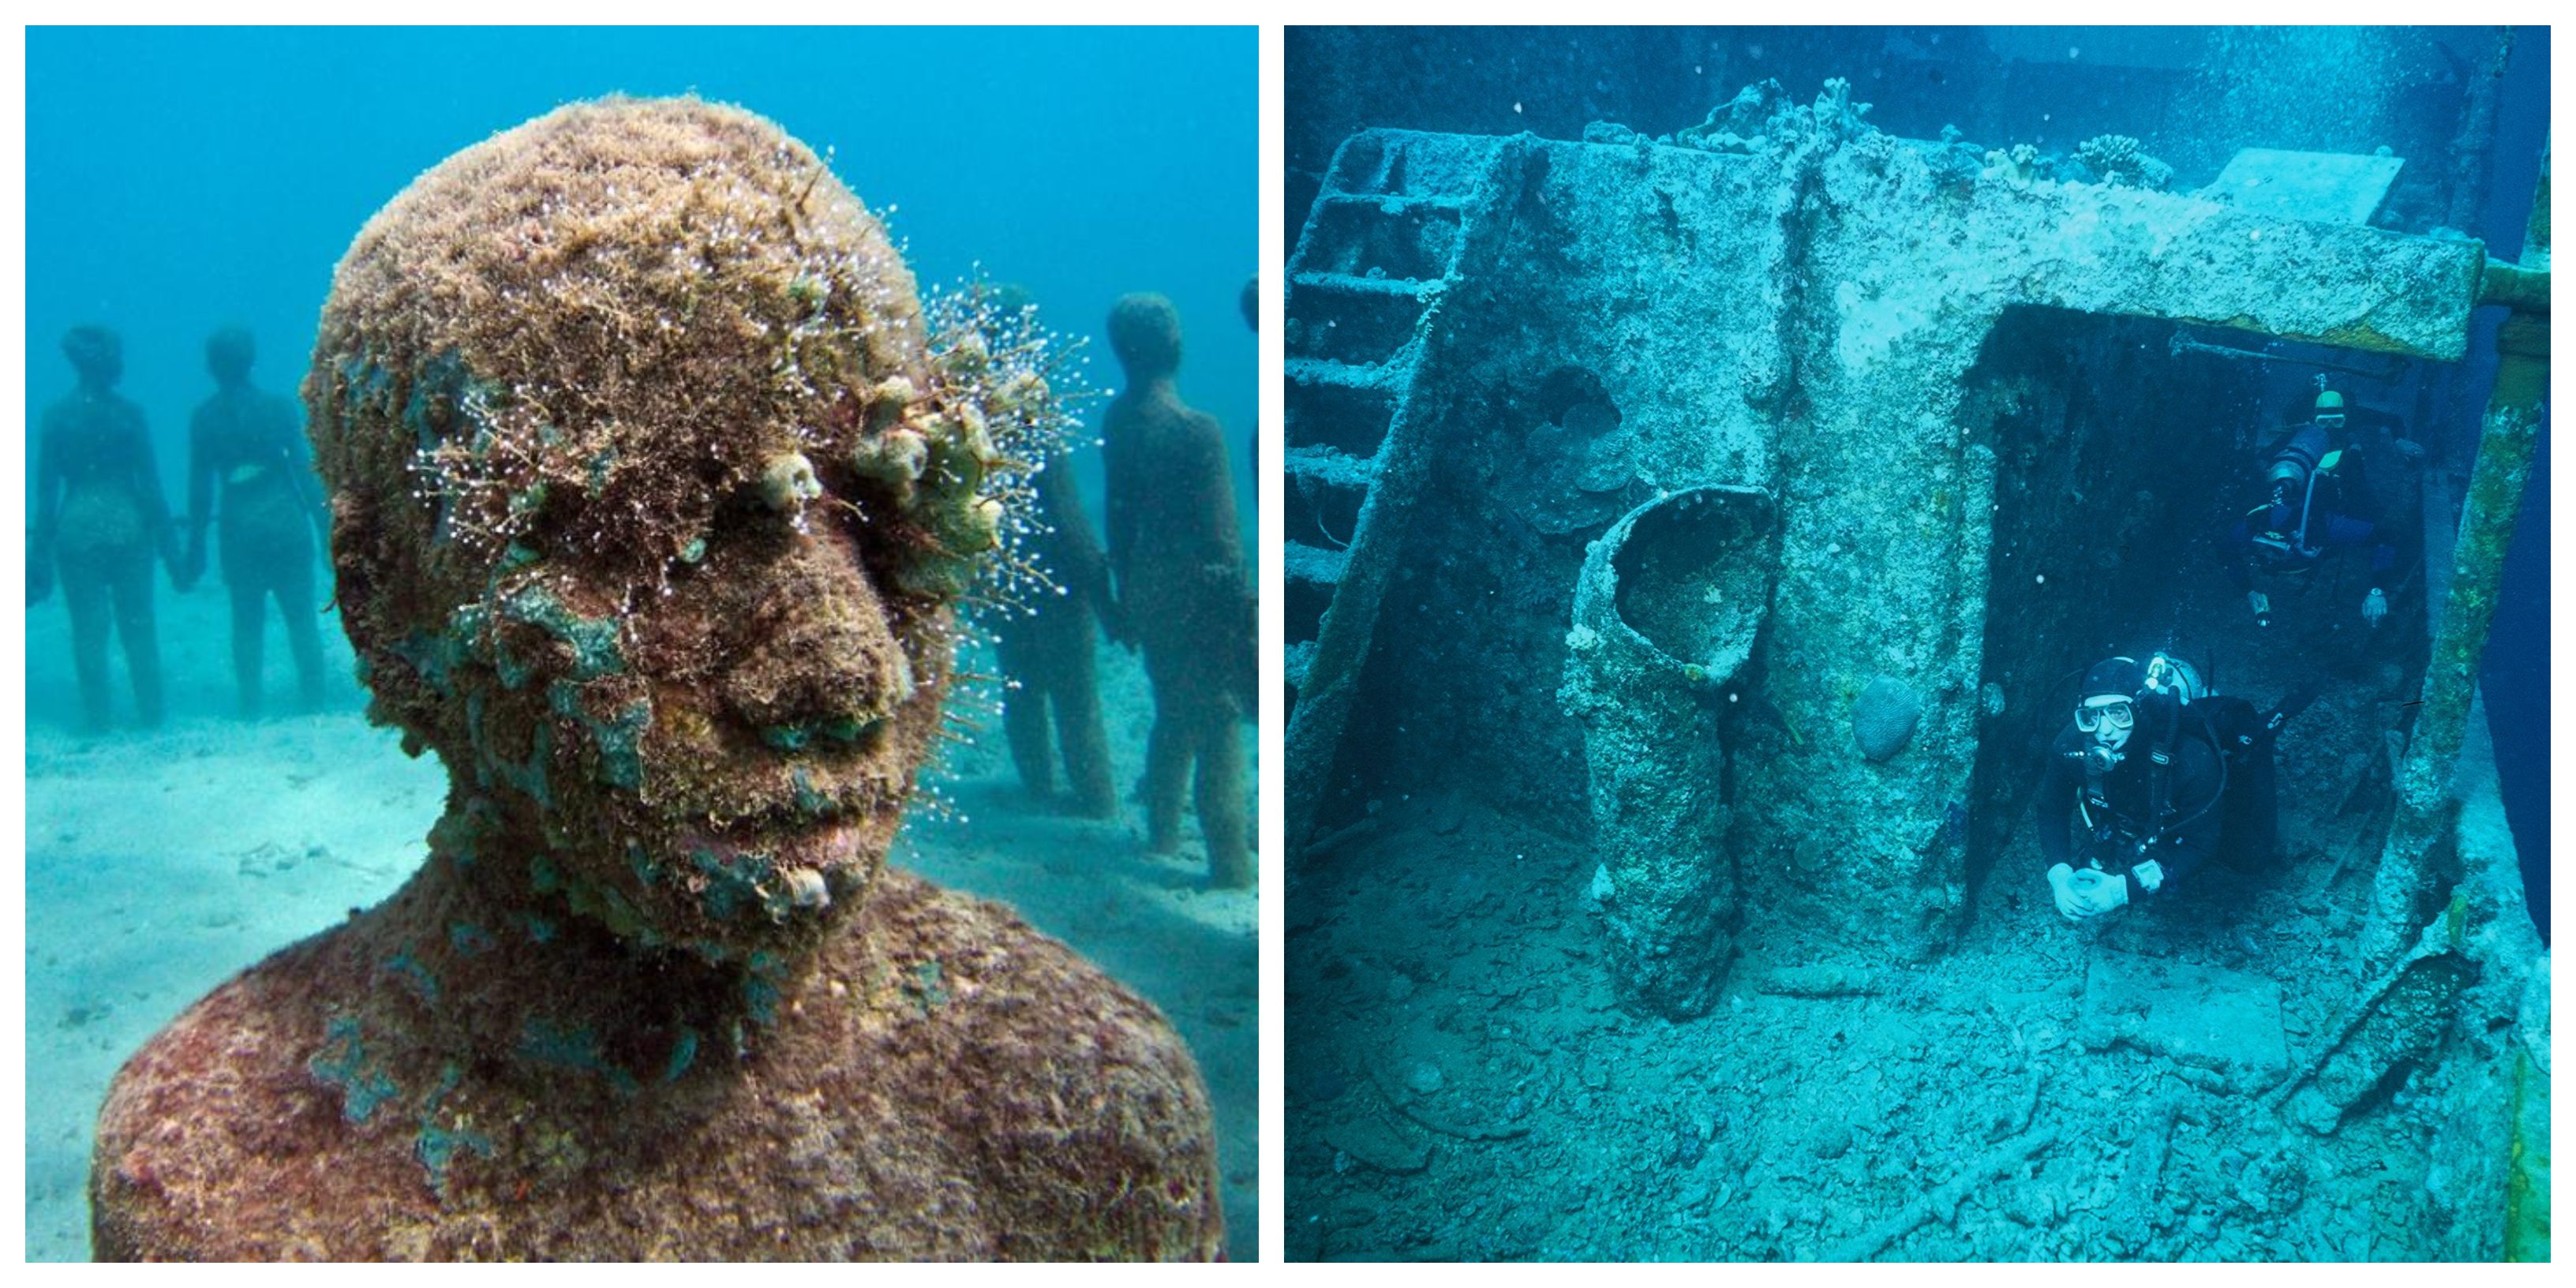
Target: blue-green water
{"points": [[182, 180], [1812, 268]]}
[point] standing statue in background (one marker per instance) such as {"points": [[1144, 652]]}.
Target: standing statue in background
{"points": [[653, 491], [1045, 645], [1046, 652], [100, 518], [1178, 560], [248, 442]]}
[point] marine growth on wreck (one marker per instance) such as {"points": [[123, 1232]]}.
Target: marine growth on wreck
{"points": [[1694, 542]]}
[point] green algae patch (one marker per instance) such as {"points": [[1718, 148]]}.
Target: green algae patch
{"points": [[618, 738], [684, 1053], [927, 987], [575, 1048], [593, 640], [764, 982], [342, 1062], [407, 970], [731, 884], [439, 1143]]}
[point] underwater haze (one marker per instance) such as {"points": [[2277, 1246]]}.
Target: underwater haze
{"points": [[183, 180], [1889, 644]]}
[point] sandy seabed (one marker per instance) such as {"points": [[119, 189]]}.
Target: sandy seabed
{"points": [[161, 862]]}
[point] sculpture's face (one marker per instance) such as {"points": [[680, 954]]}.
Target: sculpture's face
{"points": [[717, 757], [1145, 333], [96, 354], [650, 500]]}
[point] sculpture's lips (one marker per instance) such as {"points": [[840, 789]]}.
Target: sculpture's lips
{"points": [[820, 848]]}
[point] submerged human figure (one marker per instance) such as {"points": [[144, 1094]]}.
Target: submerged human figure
{"points": [[1045, 644], [100, 518], [1047, 653], [1178, 562], [247, 442], [682, 639], [2318, 500], [2153, 778]]}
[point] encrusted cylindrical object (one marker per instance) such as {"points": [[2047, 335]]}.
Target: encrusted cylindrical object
{"points": [[1666, 609]]}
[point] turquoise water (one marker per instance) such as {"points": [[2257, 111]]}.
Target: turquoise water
{"points": [[178, 181], [1673, 889]]}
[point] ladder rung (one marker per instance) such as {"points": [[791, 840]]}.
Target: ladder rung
{"points": [[1325, 465], [1401, 201], [1298, 656], [1402, 287], [1318, 371], [1314, 564]]}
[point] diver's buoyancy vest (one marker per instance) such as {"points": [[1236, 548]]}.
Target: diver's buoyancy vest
{"points": [[2106, 824]]}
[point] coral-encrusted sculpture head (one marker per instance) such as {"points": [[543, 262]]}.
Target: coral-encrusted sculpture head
{"points": [[652, 490]]}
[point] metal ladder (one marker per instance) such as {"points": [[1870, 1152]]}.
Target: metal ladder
{"points": [[1379, 255]]}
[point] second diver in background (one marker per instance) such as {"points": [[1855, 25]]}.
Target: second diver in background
{"points": [[2317, 501], [1178, 559], [249, 472]]}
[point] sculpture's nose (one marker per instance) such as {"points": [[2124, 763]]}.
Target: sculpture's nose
{"points": [[817, 659]]}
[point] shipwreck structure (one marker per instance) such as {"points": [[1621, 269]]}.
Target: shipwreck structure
{"points": [[1738, 498]]}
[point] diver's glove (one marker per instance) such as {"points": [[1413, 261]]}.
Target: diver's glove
{"points": [[2061, 881], [2150, 875], [2103, 891], [2086, 893], [2262, 606], [2374, 607]]}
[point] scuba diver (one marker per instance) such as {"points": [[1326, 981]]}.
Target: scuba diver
{"points": [[2154, 777], [270, 513], [100, 516], [2317, 501]]}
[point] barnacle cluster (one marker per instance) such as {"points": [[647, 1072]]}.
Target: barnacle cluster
{"points": [[959, 457]]}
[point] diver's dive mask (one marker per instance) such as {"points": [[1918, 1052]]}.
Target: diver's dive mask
{"points": [[2119, 713]]}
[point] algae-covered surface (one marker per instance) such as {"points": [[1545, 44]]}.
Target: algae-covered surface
{"points": [[1463, 1083], [160, 863], [1594, 956]]}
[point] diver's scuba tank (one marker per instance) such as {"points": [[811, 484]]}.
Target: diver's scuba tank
{"points": [[2173, 677], [2292, 472]]}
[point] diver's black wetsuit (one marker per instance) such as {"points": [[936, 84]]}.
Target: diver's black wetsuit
{"points": [[2191, 810]]}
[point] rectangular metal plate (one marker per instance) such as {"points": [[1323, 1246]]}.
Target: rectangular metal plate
{"points": [[2329, 187]]}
